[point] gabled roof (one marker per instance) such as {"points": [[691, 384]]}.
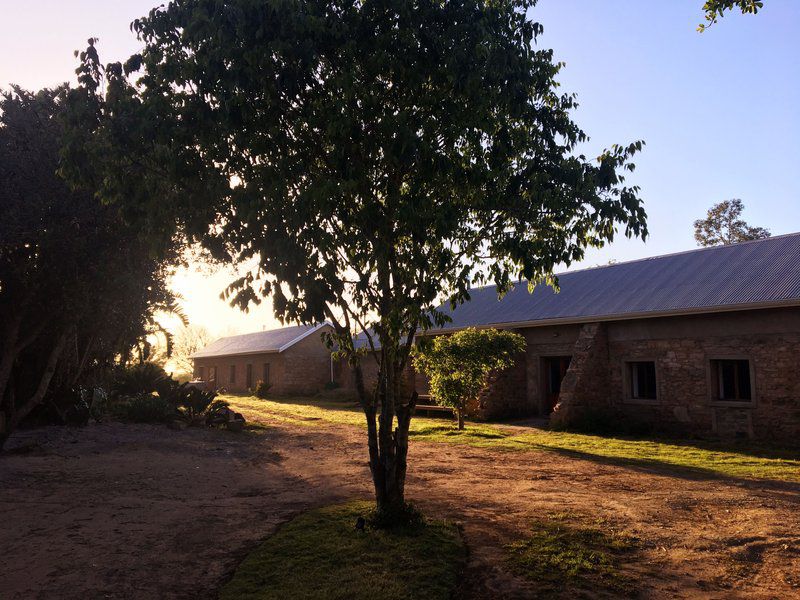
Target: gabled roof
{"points": [[755, 274], [273, 340]]}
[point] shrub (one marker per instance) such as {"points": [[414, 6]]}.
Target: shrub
{"points": [[144, 408], [190, 403], [332, 385], [168, 400], [144, 378], [459, 365], [262, 389], [196, 405]]}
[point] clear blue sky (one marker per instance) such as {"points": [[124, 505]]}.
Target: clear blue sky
{"points": [[719, 111]]}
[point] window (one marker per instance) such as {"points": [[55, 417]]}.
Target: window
{"points": [[233, 374], [642, 380], [265, 374], [212, 374], [730, 380], [249, 378]]}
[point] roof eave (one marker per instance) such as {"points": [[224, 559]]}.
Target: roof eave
{"points": [[248, 353]]}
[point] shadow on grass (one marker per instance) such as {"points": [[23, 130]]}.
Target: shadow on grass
{"points": [[692, 473], [453, 432], [345, 404], [742, 461]]}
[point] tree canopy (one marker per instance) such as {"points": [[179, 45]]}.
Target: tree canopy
{"points": [[78, 285], [370, 158], [715, 10], [458, 366], [723, 225]]}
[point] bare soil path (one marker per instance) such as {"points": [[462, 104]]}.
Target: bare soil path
{"points": [[136, 511]]}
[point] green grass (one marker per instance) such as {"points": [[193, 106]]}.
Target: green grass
{"points": [[321, 555], [561, 550], [741, 459]]}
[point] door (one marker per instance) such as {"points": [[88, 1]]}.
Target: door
{"points": [[553, 368]]}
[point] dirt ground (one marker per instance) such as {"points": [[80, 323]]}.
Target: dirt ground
{"points": [[137, 511]]}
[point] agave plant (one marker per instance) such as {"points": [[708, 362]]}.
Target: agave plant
{"points": [[144, 378]]}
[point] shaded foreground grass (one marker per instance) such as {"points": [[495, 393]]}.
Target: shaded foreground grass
{"points": [[740, 459], [320, 554], [561, 550]]}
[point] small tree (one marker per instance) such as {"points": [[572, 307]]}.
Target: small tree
{"points": [[723, 226], [459, 365], [186, 341]]}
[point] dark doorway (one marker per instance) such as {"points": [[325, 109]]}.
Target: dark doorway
{"points": [[553, 368]]}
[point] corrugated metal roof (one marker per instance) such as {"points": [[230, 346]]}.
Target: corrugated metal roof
{"points": [[273, 340], [746, 275]]}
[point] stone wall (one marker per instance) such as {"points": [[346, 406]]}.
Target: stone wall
{"points": [[344, 376], [223, 365], [585, 386], [505, 396], [682, 349], [307, 367]]}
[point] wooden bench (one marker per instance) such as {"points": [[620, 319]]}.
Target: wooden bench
{"points": [[427, 407]]}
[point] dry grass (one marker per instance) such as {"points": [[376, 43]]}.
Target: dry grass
{"points": [[704, 458]]}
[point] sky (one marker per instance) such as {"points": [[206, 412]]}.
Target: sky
{"points": [[718, 111]]}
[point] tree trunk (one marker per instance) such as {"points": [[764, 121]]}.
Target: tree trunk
{"points": [[15, 416], [4, 432], [388, 446], [9, 354], [460, 414]]}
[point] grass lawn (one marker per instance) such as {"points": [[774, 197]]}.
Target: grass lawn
{"points": [[741, 459], [320, 554], [563, 550]]}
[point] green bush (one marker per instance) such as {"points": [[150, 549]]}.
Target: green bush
{"points": [[144, 408], [262, 389], [144, 378], [146, 394]]}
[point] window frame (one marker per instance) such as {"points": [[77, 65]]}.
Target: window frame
{"points": [[712, 381], [232, 374], [627, 382]]}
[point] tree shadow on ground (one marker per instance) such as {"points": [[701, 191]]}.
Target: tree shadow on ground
{"points": [[658, 467]]}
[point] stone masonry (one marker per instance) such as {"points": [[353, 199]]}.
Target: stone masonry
{"points": [[585, 385]]}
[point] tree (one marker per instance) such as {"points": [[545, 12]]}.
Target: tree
{"points": [[369, 158], [186, 341], [78, 285], [458, 366], [715, 9], [723, 226]]}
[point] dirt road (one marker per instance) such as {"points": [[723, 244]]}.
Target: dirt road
{"points": [[137, 511]]}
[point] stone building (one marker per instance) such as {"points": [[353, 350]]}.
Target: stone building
{"points": [[705, 341], [292, 360]]}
